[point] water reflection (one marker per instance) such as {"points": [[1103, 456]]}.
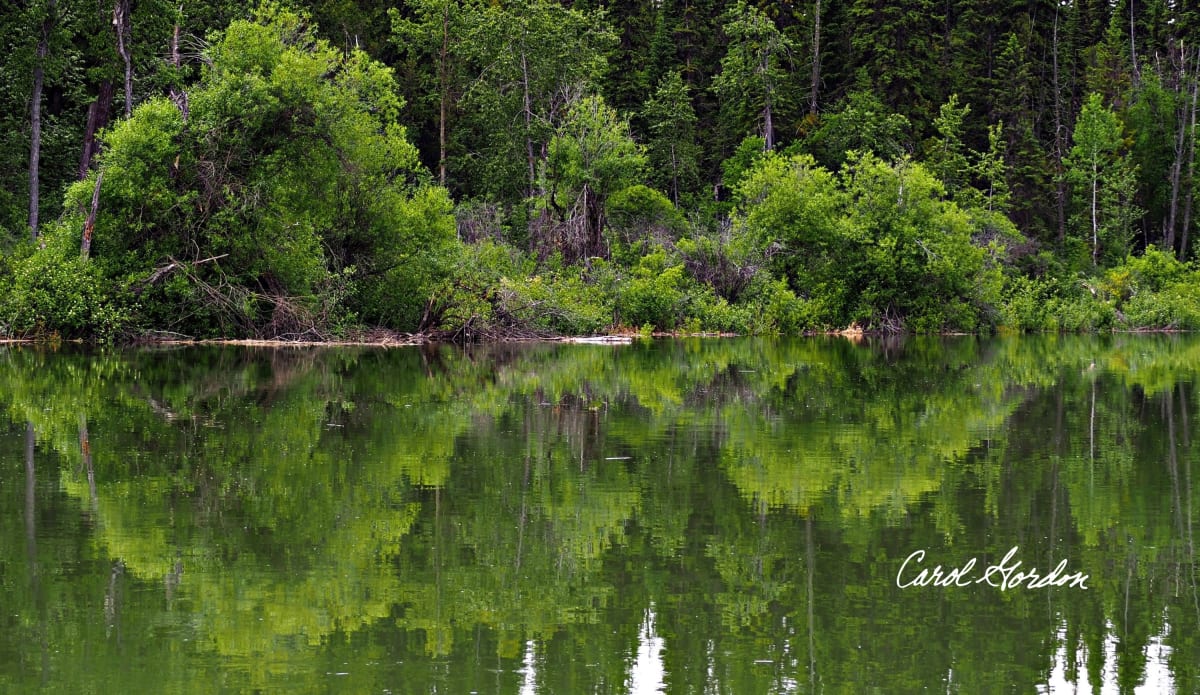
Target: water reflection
{"points": [[688, 516]]}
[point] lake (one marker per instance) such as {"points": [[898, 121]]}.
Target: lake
{"points": [[689, 516]]}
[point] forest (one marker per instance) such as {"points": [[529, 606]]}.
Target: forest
{"points": [[486, 170]]}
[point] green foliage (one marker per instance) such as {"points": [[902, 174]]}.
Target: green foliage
{"points": [[734, 169], [945, 154], [289, 200], [55, 292], [1102, 182], [289, 177], [640, 212], [860, 124], [671, 148], [527, 57], [1155, 290], [876, 246], [592, 153], [564, 301], [1053, 305], [752, 83], [1150, 291], [654, 295]]}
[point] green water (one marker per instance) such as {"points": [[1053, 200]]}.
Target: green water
{"points": [[724, 516]]}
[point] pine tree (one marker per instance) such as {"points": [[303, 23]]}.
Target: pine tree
{"points": [[672, 145], [753, 83]]}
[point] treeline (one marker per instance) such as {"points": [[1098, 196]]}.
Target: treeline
{"points": [[531, 167]]}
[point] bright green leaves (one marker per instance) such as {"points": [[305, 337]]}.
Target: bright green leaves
{"points": [[592, 149], [1103, 181], [876, 245], [591, 156], [530, 58], [291, 173]]}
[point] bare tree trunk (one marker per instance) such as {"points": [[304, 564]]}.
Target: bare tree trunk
{"points": [[445, 87], [1060, 183], [1133, 62], [178, 96], [35, 117], [768, 126], [1191, 157], [97, 119], [121, 21], [89, 226], [528, 103], [816, 59], [768, 93], [1180, 149]]}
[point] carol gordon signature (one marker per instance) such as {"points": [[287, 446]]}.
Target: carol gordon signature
{"points": [[1004, 576]]}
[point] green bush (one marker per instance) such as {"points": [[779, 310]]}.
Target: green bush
{"points": [[55, 291], [640, 212], [876, 245], [653, 296], [563, 302], [291, 194]]}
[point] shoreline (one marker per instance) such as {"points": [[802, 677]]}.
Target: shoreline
{"points": [[390, 340]]}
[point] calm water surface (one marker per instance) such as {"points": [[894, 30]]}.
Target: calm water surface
{"points": [[689, 517]]}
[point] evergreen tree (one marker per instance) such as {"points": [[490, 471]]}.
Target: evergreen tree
{"points": [[753, 83], [672, 147], [895, 45]]}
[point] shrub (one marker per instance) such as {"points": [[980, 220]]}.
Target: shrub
{"points": [[640, 212], [55, 291]]}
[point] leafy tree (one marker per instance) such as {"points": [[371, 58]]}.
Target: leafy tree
{"points": [[590, 157], [531, 59], [1103, 181], [431, 37], [945, 154], [288, 197], [875, 245], [861, 123]]}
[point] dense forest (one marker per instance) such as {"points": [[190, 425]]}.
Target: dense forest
{"points": [[496, 169]]}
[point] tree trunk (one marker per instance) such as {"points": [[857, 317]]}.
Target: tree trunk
{"points": [[445, 87], [1133, 61], [35, 118], [89, 226], [121, 21], [1059, 148], [528, 103], [768, 93], [178, 96], [768, 126], [97, 119], [1176, 175], [816, 60], [1191, 158]]}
